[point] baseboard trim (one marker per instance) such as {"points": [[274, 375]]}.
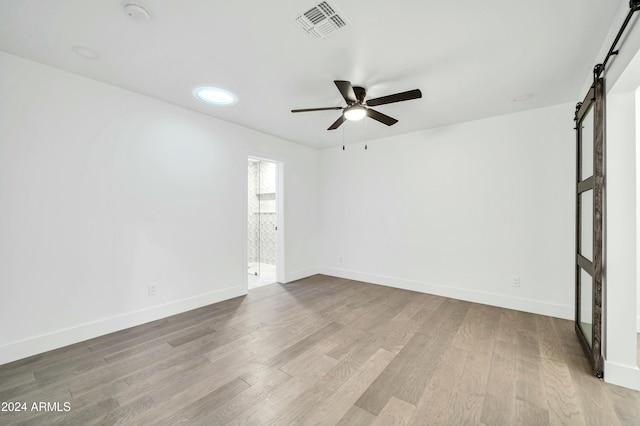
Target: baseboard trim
{"points": [[34, 345], [622, 375], [519, 304]]}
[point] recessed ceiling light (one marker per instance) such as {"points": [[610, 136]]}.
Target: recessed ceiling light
{"points": [[137, 12], [85, 52], [523, 98], [214, 95]]}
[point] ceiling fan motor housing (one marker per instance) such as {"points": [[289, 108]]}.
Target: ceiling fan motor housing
{"points": [[360, 92]]}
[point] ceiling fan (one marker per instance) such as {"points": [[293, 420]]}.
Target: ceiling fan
{"points": [[357, 108]]}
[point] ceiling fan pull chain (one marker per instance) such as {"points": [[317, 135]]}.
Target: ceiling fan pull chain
{"points": [[366, 134]]}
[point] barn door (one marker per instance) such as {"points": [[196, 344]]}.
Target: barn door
{"points": [[589, 210]]}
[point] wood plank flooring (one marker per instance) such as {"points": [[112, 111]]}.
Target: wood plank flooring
{"points": [[323, 351]]}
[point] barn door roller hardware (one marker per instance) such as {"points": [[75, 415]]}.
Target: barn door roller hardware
{"points": [[634, 6]]}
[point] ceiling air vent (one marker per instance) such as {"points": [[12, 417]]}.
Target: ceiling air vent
{"points": [[321, 19]]}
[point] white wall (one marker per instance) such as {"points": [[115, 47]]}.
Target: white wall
{"points": [[620, 236], [459, 210], [103, 191], [621, 216], [620, 267]]}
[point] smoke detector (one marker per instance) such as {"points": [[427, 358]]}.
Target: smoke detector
{"points": [[137, 13], [320, 20]]}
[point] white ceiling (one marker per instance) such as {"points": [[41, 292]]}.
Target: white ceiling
{"points": [[470, 59]]}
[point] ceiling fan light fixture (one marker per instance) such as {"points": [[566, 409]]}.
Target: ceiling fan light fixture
{"points": [[355, 112]]}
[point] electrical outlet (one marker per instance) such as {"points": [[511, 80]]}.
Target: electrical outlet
{"points": [[515, 281], [153, 289], [340, 259]]}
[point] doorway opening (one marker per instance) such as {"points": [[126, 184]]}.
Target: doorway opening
{"points": [[262, 222]]}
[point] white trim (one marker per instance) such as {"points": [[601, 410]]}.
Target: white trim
{"points": [[45, 342], [245, 225], [280, 234], [622, 375], [519, 304]]}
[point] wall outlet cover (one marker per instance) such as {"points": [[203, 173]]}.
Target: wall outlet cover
{"points": [[515, 281], [153, 289]]}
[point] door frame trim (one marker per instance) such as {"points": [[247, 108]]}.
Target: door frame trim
{"points": [[280, 222]]}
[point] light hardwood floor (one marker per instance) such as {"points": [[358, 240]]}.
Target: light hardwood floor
{"points": [[329, 351]]}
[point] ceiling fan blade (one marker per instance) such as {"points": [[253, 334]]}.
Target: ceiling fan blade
{"points": [[398, 97], [346, 89], [315, 109], [378, 116], [337, 123]]}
